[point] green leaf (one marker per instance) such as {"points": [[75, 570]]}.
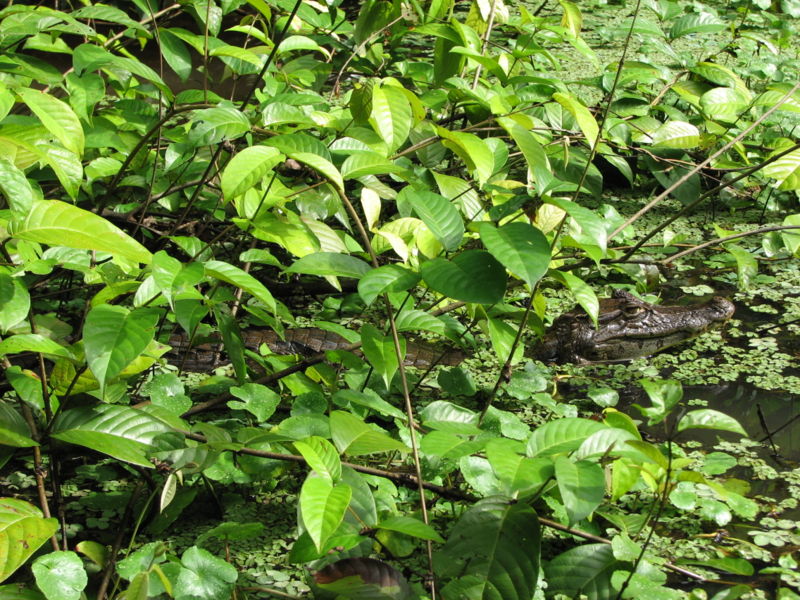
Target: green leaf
{"points": [[16, 187], [22, 531], [204, 576], [247, 168], [215, 125], [57, 117], [240, 279], [472, 276], [520, 247], [113, 337], [321, 456], [410, 526], [355, 438], [533, 151], [390, 116], [582, 291], [785, 171], [438, 213], [330, 263], [492, 552], [309, 151], [746, 265], [175, 53], [664, 395], [257, 399], [360, 164], [676, 134], [60, 575], [388, 278], [696, 23], [118, 431], [379, 350], [14, 431], [591, 230], [724, 104], [561, 436], [585, 570], [791, 237], [707, 418], [57, 223], [15, 301], [322, 507], [519, 474], [474, 151], [33, 342], [582, 487], [582, 115]]}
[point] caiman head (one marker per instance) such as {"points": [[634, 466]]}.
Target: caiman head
{"points": [[627, 328]]}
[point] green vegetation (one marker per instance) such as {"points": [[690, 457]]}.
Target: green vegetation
{"points": [[393, 171]]}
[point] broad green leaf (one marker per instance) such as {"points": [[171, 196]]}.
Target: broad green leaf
{"points": [[113, 337], [215, 125], [696, 23], [791, 237], [22, 531], [388, 278], [584, 570], [520, 247], [582, 115], [57, 117], [14, 431], [309, 151], [240, 279], [390, 116], [502, 336], [561, 436], [582, 291], [380, 351], [492, 552], [294, 43], [204, 576], [723, 104], [474, 151], [175, 53], [664, 395], [582, 486], [710, 419], [785, 171], [446, 416], [60, 575], [419, 320], [247, 168], [34, 342], [354, 437], [472, 276], [15, 187], [676, 134], [746, 265], [520, 475], [121, 432], [590, 231], [370, 399], [322, 507], [360, 164], [410, 526], [321, 456], [257, 399], [15, 301], [572, 19], [538, 163], [57, 223], [438, 213], [330, 263]]}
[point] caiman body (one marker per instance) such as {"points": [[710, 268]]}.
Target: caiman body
{"points": [[627, 328]]}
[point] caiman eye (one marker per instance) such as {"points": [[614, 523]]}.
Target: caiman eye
{"points": [[632, 311]]}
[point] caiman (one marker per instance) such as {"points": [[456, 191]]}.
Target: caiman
{"points": [[627, 328]]}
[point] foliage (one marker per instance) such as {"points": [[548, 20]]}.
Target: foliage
{"points": [[438, 173]]}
